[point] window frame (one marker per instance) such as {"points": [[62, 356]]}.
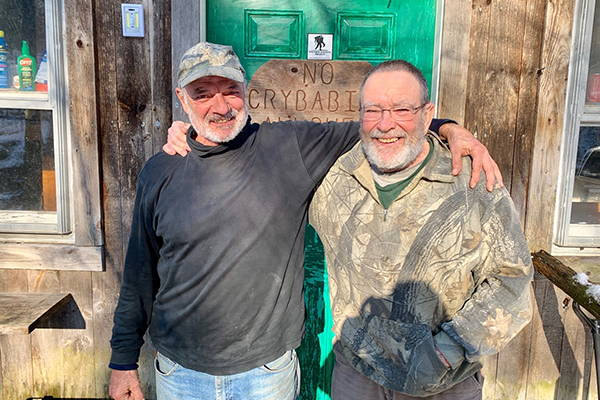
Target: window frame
{"points": [[83, 248], [55, 100], [571, 238]]}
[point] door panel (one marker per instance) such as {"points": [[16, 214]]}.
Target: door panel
{"points": [[373, 31], [376, 31]]}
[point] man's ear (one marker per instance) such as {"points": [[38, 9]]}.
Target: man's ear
{"points": [[180, 95], [429, 113]]}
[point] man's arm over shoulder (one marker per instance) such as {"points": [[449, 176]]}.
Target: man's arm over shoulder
{"points": [[501, 303], [321, 144]]}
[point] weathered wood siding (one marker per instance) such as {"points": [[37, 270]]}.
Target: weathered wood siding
{"points": [[120, 107], [504, 66]]}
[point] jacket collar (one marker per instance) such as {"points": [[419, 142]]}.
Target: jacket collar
{"points": [[439, 167]]}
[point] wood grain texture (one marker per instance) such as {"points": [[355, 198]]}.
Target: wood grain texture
{"points": [[19, 312], [105, 285], [46, 346], [524, 130], [545, 163], [543, 369], [573, 382], [79, 344], [454, 58], [186, 16], [494, 73], [135, 111], [84, 126], [50, 257], [15, 350], [562, 276], [314, 90], [162, 88], [477, 67], [17, 373]]}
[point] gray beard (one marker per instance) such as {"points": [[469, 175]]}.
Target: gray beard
{"points": [[203, 128], [402, 158]]}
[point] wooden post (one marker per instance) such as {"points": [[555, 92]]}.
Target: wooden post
{"points": [[562, 276]]}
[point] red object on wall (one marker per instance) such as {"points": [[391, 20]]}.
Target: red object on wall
{"points": [[593, 89]]}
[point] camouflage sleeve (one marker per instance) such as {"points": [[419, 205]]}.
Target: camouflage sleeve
{"points": [[501, 303]]}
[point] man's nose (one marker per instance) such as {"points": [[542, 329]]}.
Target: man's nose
{"points": [[219, 105], [386, 122]]}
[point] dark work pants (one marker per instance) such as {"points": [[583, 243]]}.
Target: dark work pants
{"points": [[349, 384]]}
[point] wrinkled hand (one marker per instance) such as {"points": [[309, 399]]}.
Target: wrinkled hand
{"points": [[176, 143], [463, 143], [125, 385]]}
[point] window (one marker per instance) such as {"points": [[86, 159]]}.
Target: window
{"points": [[34, 178], [578, 208]]}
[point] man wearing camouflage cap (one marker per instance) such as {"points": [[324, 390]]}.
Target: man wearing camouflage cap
{"points": [[214, 266]]}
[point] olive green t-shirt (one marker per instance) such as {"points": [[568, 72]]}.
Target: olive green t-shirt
{"points": [[388, 193]]}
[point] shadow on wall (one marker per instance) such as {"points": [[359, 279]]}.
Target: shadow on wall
{"points": [[67, 317], [569, 382]]}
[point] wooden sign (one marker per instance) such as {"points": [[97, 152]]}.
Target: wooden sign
{"points": [[315, 90]]}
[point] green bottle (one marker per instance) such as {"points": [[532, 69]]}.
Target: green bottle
{"points": [[26, 66]]}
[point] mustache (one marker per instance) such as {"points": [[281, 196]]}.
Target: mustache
{"points": [[377, 134], [233, 113]]}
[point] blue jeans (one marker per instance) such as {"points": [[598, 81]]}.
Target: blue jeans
{"points": [[277, 380]]}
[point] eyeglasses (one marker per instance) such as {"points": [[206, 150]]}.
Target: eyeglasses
{"points": [[399, 114]]}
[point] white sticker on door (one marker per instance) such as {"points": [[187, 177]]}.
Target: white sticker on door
{"points": [[320, 46]]}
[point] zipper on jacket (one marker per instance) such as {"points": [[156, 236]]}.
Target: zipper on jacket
{"points": [[384, 214]]}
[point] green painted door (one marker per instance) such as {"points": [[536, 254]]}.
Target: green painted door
{"points": [[373, 31], [365, 30]]}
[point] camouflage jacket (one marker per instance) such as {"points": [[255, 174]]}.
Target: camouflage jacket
{"points": [[445, 267]]}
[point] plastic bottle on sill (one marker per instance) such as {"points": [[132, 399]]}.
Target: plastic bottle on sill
{"points": [[41, 78], [4, 84], [27, 68]]}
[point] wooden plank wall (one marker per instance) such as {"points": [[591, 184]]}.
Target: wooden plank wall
{"points": [[516, 56], [135, 110], [133, 97], [504, 68]]}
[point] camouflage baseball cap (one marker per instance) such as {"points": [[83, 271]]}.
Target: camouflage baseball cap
{"points": [[209, 59]]}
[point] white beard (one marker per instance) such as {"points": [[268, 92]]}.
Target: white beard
{"points": [[402, 157], [216, 135]]}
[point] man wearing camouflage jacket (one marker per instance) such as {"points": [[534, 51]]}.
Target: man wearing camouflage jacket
{"points": [[427, 276]]}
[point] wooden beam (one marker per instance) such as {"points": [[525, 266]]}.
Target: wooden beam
{"points": [[50, 257], [79, 44], [455, 55], [188, 13], [562, 276], [20, 312], [551, 105]]}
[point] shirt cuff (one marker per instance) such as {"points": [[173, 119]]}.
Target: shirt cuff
{"points": [[122, 367], [437, 123]]}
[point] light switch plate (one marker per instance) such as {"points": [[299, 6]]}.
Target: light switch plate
{"points": [[133, 20]]}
